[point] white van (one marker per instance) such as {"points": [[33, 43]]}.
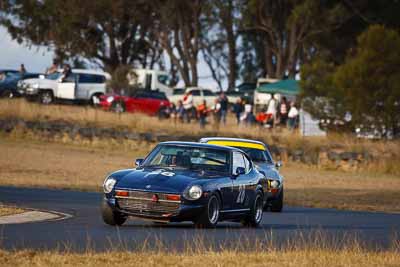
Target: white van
{"points": [[80, 85]]}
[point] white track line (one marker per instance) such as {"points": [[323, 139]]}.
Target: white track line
{"points": [[33, 216]]}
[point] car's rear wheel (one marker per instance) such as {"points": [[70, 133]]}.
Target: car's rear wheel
{"points": [[254, 218], [8, 94], [118, 106], [110, 216], [95, 100], [277, 204], [210, 216], [46, 97]]}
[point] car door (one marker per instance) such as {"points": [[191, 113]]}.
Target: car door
{"points": [[83, 86], [66, 88], [244, 184]]}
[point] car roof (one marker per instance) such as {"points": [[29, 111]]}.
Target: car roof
{"points": [[241, 142], [200, 145]]}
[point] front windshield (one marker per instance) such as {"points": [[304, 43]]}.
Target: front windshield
{"points": [[257, 155], [53, 76], [189, 157]]}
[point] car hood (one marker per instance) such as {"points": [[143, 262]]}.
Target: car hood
{"points": [[161, 180], [42, 82]]}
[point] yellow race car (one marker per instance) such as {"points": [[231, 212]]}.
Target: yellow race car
{"points": [[260, 155]]}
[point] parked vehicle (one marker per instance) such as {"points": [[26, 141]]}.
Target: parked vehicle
{"points": [[184, 181], [244, 91], [260, 155], [199, 95], [156, 80], [144, 101], [9, 82], [80, 85]]}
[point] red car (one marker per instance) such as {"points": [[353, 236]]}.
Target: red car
{"points": [[144, 101]]}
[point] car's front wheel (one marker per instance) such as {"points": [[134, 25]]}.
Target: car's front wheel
{"points": [[254, 218], [111, 217], [46, 97], [277, 204], [118, 106], [210, 216]]}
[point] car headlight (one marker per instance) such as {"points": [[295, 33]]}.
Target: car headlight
{"points": [[35, 86], [193, 193], [108, 185], [275, 184], [110, 99]]}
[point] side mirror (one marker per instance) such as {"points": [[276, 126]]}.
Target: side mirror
{"points": [[278, 164], [239, 171], [138, 162]]}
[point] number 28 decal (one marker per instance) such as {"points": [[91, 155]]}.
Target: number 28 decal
{"points": [[242, 194]]}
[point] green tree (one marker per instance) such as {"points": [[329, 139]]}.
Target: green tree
{"points": [[108, 32], [366, 84], [369, 80]]}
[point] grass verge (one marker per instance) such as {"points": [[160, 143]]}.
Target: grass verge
{"points": [[9, 210], [295, 257], [33, 163]]}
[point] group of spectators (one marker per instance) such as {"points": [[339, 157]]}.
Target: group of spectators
{"points": [[277, 112]]}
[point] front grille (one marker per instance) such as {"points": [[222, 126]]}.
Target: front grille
{"points": [[141, 203]]}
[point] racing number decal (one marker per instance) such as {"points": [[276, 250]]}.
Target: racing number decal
{"points": [[242, 194]]}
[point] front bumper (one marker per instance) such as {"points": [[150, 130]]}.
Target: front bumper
{"points": [[183, 212]]}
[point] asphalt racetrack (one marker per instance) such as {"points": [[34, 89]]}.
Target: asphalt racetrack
{"points": [[86, 230]]}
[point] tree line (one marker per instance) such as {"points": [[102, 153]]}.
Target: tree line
{"points": [[239, 40]]}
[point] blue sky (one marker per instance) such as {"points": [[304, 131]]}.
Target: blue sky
{"points": [[37, 59]]}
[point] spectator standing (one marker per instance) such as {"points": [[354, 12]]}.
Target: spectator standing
{"points": [[22, 69], [223, 100], [272, 110], [248, 115], [179, 111], [202, 112], [283, 111], [292, 116], [188, 105], [238, 109], [217, 113]]}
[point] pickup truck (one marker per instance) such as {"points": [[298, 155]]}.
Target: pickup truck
{"points": [[199, 94]]}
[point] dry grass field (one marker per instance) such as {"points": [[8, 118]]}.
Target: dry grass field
{"points": [[8, 210], [141, 123], [33, 163], [296, 257]]}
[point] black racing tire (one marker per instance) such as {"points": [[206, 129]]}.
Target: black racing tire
{"points": [[277, 204], [7, 94], [111, 217], [118, 107], [211, 214], [46, 97], [254, 218]]}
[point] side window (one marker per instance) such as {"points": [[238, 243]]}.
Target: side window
{"points": [[208, 93], [70, 78], [268, 156], [237, 161], [90, 78], [196, 92], [247, 163]]}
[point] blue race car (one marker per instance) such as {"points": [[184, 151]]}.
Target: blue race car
{"points": [[260, 155], [184, 181]]}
